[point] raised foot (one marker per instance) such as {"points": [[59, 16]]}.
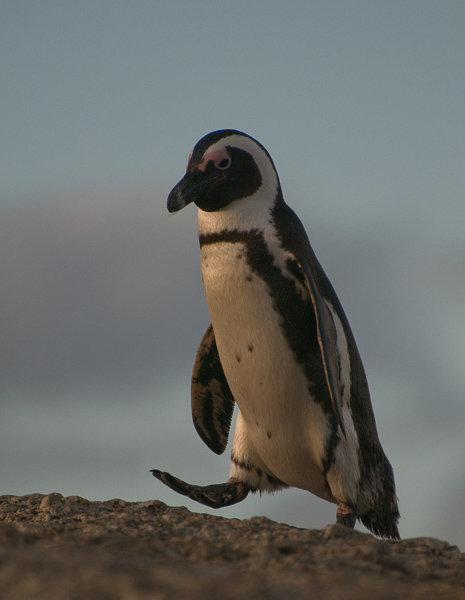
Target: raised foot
{"points": [[346, 515], [214, 496]]}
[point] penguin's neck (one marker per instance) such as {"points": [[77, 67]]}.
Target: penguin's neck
{"points": [[244, 214]]}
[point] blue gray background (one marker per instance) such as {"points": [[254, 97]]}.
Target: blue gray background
{"points": [[361, 104]]}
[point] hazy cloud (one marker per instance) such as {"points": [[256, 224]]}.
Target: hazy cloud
{"points": [[91, 290]]}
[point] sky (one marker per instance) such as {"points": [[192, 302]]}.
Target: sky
{"points": [[362, 107]]}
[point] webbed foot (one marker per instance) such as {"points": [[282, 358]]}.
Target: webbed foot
{"points": [[214, 496], [346, 515]]}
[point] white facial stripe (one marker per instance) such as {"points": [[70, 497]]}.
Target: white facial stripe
{"points": [[215, 155], [269, 177], [253, 212], [248, 213]]}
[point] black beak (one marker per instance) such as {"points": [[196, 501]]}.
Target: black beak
{"points": [[191, 187]]}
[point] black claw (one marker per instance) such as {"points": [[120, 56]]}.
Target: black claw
{"points": [[346, 515], [214, 496]]}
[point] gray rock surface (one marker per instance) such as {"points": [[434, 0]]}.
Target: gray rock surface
{"points": [[53, 548]]}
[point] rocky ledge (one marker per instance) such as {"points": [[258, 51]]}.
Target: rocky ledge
{"points": [[53, 547]]}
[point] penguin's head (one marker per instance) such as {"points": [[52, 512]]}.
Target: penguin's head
{"points": [[225, 166]]}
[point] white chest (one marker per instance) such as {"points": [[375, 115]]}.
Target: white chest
{"points": [[269, 386]]}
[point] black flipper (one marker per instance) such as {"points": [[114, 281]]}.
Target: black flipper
{"points": [[214, 496], [327, 340], [295, 240], [211, 398]]}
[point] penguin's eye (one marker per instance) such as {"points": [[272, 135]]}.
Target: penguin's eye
{"points": [[224, 164]]}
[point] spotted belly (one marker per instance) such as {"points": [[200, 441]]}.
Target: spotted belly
{"points": [[281, 428]]}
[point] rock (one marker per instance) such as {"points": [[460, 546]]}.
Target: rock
{"points": [[58, 548]]}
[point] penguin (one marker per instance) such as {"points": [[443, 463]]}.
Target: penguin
{"points": [[279, 346]]}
